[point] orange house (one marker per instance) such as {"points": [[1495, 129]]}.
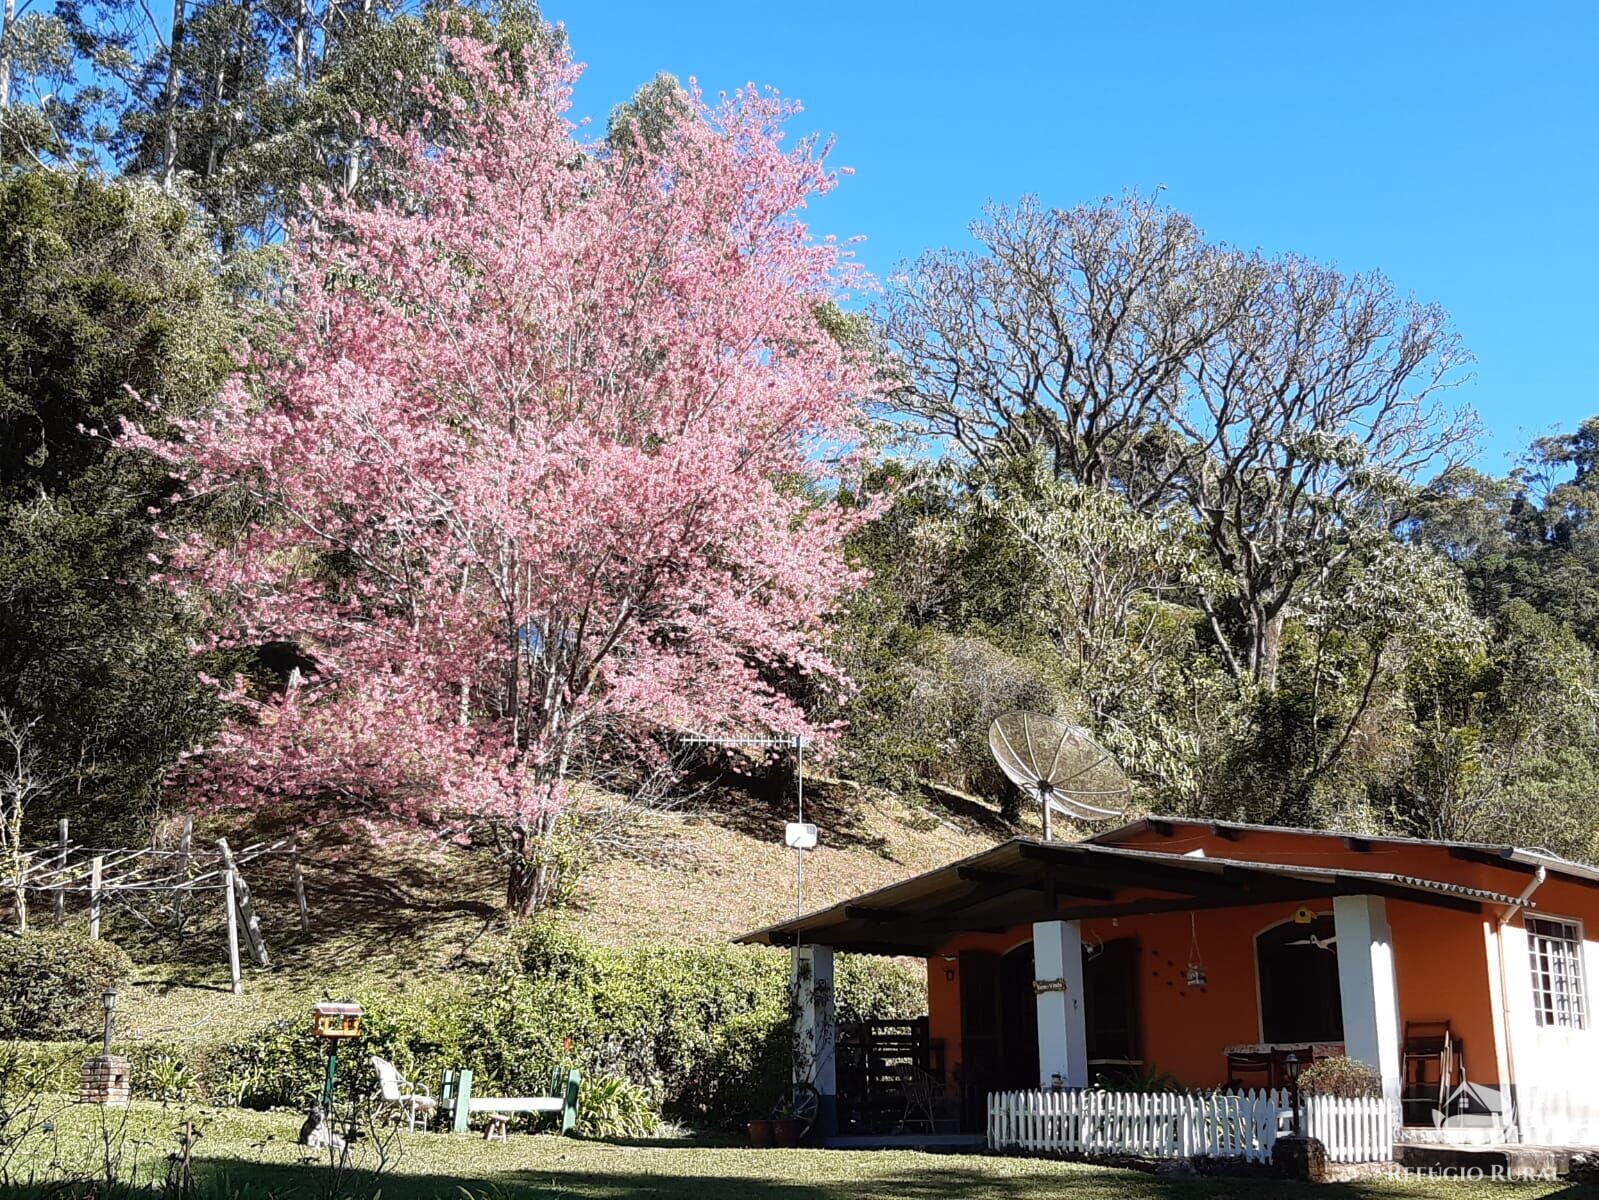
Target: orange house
{"points": [[1204, 954]]}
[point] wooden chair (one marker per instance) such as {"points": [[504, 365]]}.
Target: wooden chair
{"points": [[921, 1093], [406, 1101], [1434, 1066], [1251, 1070]]}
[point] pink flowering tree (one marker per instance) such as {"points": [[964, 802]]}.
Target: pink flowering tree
{"points": [[554, 446]]}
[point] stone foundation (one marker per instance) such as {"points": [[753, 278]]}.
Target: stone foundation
{"points": [[1301, 1158], [106, 1080]]}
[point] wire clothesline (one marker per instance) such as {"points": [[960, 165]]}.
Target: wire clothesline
{"points": [[55, 876], [150, 884]]}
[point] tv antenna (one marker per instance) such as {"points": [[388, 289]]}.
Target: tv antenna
{"points": [[797, 835], [1060, 766]]}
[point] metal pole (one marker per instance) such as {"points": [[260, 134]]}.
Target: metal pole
{"points": [[327, 1087], [799, 855]]}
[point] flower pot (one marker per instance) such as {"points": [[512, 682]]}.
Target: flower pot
{"points": [[761, 1134], [786, 1131]]}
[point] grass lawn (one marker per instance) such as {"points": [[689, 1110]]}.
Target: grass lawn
{"points": [[253, 1156]]}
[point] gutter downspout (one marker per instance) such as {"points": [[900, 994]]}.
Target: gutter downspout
{"points": [[1504, 986]]}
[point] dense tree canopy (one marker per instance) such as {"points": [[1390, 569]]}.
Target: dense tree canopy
{"points": [[532, 466], [506, 449], [108, 293]]}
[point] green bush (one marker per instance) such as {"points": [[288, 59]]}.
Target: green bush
{"points": [[50, 984], [1339, 1076], [160, 1070], [278, 1064], [698, 1033], [611, 1107]]}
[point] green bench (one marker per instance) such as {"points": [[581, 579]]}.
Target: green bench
{"points": [[457, 1103]]}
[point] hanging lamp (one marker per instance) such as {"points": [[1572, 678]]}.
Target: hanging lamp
{"points": [[1196, 967]]}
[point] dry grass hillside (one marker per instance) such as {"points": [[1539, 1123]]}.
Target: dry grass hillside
{"points": [[400, 911]]}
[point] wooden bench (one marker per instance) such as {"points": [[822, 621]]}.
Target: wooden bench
{"points": [[457, 1103]]}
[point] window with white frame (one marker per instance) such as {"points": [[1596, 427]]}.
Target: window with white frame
{"points": [[1556, 950]]}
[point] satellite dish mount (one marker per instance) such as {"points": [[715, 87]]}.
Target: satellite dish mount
{"points": [[1060, 766]]}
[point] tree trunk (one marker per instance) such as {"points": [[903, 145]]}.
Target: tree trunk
{"points": [[8, 18], [520, 882], [1270, 654], [169, 105], [535, 874]]}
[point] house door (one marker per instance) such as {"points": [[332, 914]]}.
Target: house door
{"points": [[1110, 999], [1298, 972], [999, 1028]]}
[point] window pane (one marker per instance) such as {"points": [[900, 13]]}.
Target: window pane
{"points": [[1555, 951]]}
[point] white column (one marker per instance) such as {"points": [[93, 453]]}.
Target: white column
{"points": [[1062, 1019], [1368, 986], [814, 1041]]}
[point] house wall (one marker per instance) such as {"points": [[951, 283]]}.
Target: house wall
{"points": [[1486, 993], [1556, 1071], [1448, 967], [1443, 972]]}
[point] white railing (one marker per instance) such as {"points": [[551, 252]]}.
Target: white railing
{"points": [[1353, 1131], [1183, 1124]]}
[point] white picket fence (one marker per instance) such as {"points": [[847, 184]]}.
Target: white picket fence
{"points": [[1182, 1124], [1353, 1131]]}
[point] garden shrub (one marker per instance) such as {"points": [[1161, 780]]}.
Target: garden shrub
{"points": [[279, 1064], [699, 1033], [160, 1070], [1340, 1076], [50, 984], [612, 1107]]}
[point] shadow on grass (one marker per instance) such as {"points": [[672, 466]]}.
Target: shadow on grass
{"points": [[364, 898], [810, 1178]]}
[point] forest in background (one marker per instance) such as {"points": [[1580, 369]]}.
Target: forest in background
{"points": [[1214, 506]]}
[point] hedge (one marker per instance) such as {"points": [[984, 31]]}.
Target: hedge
{"points": [[51, 982], [701, 1032]]}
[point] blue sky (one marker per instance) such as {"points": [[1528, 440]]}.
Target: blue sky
{"points": [[1453, 146]]}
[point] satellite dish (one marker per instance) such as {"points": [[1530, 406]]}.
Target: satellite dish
{"points": [[1060, 766]]}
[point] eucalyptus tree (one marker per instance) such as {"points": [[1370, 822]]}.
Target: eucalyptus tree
{"points": [[1067, 333], [1319, 409], [1270, 400]]}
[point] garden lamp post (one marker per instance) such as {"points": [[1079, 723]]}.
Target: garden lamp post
{"points": [[1292, 1064], [109, 999]]}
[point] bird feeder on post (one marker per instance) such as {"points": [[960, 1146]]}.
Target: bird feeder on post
{"points": [[334, 1023]]}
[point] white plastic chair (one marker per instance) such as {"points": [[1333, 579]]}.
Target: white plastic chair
{"points": [[410, 1102]]}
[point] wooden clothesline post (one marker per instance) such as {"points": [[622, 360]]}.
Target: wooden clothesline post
{"points": [[298, 880], [94, 897], [241, 895], [61, 865], [185, 850]]}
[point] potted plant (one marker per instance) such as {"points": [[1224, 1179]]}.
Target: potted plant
{"points": [[787, 1127], [760, 1133]]}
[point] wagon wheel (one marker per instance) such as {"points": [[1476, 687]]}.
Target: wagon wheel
{"points": [[807, 1101]]}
